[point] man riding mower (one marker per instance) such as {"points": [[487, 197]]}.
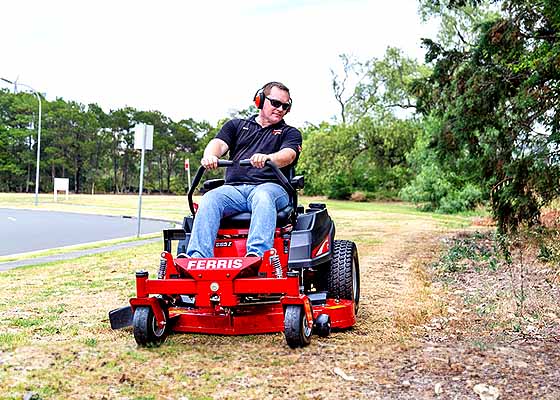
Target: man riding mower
{"points": [[308, 282]]}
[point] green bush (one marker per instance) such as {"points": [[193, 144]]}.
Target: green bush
{"points": [[428, 188], [367, 156], [177, 186], [461, 200]]}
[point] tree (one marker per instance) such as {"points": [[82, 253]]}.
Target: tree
{"points": [[99, 158], [70, 138], [16, 140], [498, 102], [367, 151], [189, 136], [457, 19], [121, 123], [377, 88]]}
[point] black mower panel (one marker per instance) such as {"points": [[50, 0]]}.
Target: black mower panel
{"points": [[312, 229]]}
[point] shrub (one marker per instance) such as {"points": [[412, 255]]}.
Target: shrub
{"points": [[461, 200]]}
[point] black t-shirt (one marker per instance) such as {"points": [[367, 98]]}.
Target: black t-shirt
{"points": [[246, 137]]}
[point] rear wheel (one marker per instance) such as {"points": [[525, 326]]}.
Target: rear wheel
{"points": [[296, 327], [146, 330], [344, 274]]}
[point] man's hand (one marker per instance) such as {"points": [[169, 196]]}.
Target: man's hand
{"points": [[209, 162], [258, 160], [214, 148]]}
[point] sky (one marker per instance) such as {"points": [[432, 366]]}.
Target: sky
{"points": [[199, 59]]}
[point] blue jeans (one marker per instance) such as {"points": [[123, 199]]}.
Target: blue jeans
{"points": [[262, 201]]}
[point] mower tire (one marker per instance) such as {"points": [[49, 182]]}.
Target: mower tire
{"points": [[344, 274], [146, 331], [296, 328]]}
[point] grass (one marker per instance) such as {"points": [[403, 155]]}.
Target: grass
{"points": [[160, 207], [175, 207], [56, 341], [70, 249]]}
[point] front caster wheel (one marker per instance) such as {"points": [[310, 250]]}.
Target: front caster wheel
{"points": [[146, 330], [296, 327]]}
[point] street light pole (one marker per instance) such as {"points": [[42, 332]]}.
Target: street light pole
{"points": [[38, 138]]}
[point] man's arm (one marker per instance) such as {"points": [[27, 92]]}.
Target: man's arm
{"points": [[213, 151], [281, 158]]}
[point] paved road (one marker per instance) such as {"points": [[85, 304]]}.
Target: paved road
{"points": [[31, 230]]}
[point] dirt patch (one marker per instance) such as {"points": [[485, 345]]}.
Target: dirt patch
{"points": [[500, 326]]}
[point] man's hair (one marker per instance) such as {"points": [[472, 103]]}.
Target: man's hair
{"points": [[268, 87]]}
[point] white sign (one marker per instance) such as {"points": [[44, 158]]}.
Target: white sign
{"points": [[143, 140], [139, 131], [61, 184]]}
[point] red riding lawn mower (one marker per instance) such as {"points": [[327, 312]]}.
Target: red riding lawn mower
{"points": [[308, 282]]}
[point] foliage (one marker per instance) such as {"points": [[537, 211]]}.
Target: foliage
{"points": [[376, 88], [367, 151], [497, 102], [435, 187], [94, 149], [16, 141], [485, 249], [364, 156], [457, 19]]}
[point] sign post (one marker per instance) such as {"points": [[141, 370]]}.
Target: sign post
{"points": [[143, 139], [188, 169]]}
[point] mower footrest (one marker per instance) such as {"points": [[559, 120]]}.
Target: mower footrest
{"points": [[318, 299]]}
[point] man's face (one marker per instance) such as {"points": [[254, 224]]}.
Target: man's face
{"points": [[269, 111]]}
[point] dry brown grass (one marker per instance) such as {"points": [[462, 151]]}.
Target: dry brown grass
{"points": [[56, 341]]}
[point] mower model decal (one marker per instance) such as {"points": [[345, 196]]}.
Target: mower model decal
{"points": [[224, 244], [203, 263]]}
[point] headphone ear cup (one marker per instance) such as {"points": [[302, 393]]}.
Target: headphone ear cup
{"points": [[259, 99]]}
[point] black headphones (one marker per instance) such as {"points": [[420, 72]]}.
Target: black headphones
{"points": [[259, 96]]}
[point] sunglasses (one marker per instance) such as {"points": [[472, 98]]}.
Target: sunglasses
{"points": [[277, 104]]}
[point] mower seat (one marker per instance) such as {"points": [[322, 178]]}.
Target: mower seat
{"points": [[242, 220]]}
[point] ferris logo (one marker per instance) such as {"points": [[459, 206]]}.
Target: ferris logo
{"points": [[277, 132], [203, 263]]}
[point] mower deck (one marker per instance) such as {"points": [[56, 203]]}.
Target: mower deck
{"points": [[253, 319]]}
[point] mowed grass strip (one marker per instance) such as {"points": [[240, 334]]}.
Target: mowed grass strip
{"points": [[56, 340], [174, 208]]}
